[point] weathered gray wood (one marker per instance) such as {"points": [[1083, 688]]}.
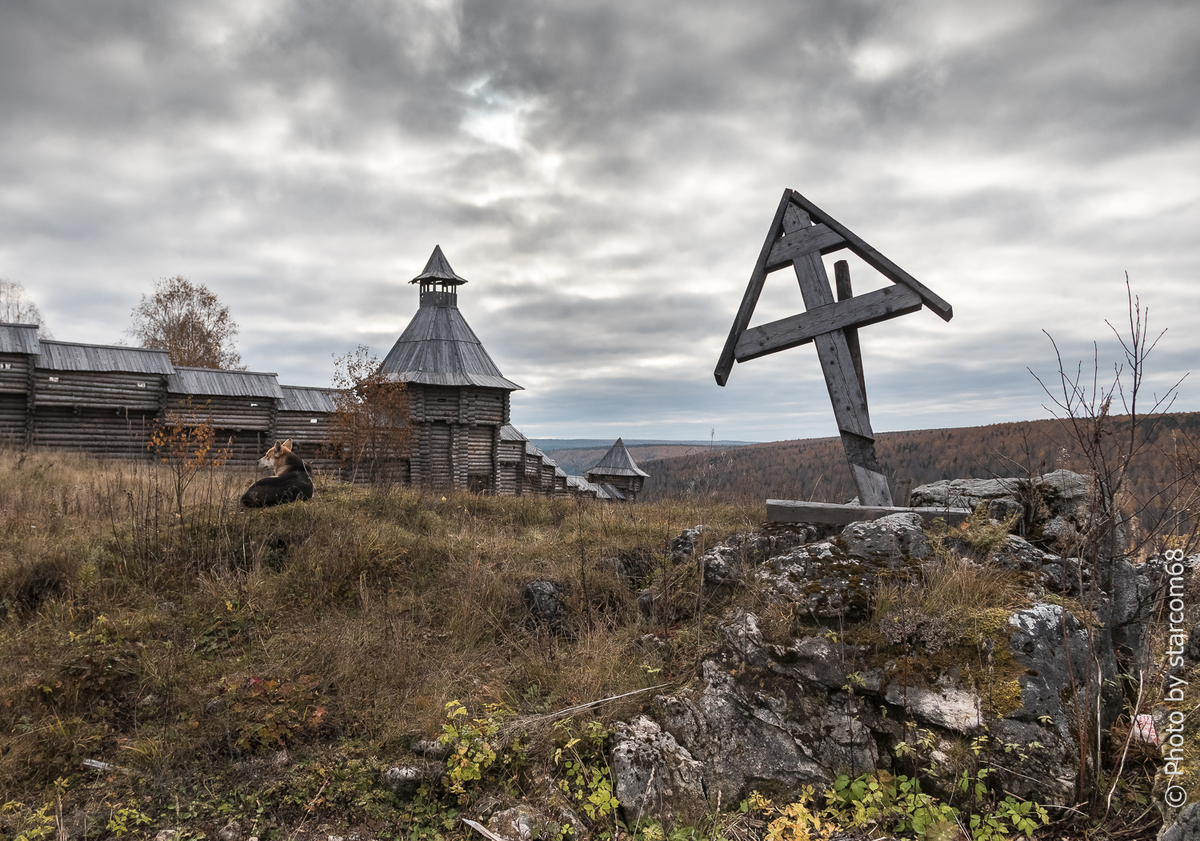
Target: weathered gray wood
{"points": [[848, 405], [798, 243], [797, 511], [845, 291], [753, 290], [875, 259], [873, 488], [869, 308], [845, 391]]}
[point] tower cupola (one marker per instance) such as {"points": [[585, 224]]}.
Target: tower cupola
{"points": [[439, 283]]}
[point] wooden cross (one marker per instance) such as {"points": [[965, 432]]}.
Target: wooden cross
{"points": [[800, 234]]}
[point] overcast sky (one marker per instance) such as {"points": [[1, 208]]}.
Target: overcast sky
{"points": [[604, 174]]}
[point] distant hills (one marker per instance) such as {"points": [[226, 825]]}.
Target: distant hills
{"points": [[816, 468], [576, 455]]}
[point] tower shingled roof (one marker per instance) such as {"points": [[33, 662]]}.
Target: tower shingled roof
{"points": [[438, 268], [617, 462], [438, 347]]}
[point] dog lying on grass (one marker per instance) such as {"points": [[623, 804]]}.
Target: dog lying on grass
{"points": [[292, 480]]}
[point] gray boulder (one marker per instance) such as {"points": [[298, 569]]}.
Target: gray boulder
{"points": [[404, 780], [524, 823], [741, 738], [1182, 826], [684, 545], [544, 602], [1037, 641], [1000, 495], [888, 538], [654, 774]]}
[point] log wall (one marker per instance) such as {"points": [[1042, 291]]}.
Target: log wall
{"points": [[457, 440]]}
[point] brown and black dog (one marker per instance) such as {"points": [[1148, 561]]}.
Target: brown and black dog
{"points": [[292, 480]]}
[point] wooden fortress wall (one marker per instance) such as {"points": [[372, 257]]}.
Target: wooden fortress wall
{"points": [[106, 400]]}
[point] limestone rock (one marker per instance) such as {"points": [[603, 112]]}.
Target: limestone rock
{"points": [[999, 494], [683, 546], [741, 739], [1184, 827], [1037, 641], [946, 706], [404, 780], [654, 774], [722, 567], [825, 581], [891, 537], [524, 823]]}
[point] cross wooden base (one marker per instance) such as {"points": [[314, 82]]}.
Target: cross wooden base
{"points": [[794, 511]]}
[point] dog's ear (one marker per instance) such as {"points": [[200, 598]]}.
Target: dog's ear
{"points": [[287, 445]]}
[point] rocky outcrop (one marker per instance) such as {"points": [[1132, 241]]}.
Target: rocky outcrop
{"points": [[544, 603], [778, 716], [1051, 510]]}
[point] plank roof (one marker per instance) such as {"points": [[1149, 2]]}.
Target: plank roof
{"points": [[508, 432], [584, 486], [216, 382], [73, 356], [617, 462], [18, 338], [438, 268], [439, 348], [610, 492], [306, 398]]}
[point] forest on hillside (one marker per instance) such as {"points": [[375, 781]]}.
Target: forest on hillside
{"points": [[816, 469]]}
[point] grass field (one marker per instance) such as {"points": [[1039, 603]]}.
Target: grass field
{"points": [[266, 666]]}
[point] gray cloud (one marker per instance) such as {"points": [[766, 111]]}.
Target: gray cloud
{"points": [[603, 173]]}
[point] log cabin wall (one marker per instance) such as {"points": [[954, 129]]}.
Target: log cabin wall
{"points": [[303, 416], [18, 350], [98, 398], [105, 399], [510, 461], [241, 406]]}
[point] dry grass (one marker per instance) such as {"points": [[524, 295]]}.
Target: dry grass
{"points": [[174, 646]]}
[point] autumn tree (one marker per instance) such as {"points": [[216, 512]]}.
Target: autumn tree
{"points": [[369, 429], [17, 308], [187, 321]]}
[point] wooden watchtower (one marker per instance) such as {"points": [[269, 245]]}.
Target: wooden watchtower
{"points": [[458, 400], [618, 470]]}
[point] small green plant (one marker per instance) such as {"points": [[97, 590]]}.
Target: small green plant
{"points": [[471, 743], [425, 819], [269, 713], [586, 779], [126, 820], [897, 804]]}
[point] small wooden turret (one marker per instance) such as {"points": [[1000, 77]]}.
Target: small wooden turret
{"points": [[618, 470]]}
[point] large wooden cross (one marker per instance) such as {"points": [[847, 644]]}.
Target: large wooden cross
{"points": [[800, 234]]}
